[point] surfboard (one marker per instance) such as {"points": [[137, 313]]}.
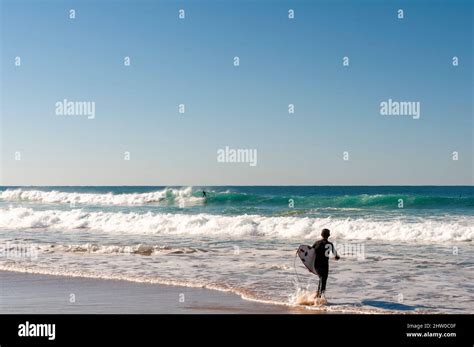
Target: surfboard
{"points": [[307, 255]]}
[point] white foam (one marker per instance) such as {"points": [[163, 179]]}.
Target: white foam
{"points": [[181, 196], [140, 249], [458, 228]]}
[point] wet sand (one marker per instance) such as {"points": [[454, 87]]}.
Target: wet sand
{"points": [[45, 294]]}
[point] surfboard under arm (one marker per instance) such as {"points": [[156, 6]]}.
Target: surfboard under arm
{"points": [[307, 256]]}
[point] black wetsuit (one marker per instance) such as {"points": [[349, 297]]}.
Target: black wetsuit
{"points": [[323, 248]]}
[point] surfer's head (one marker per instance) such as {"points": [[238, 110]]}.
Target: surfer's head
{"points": [[325, 233]]}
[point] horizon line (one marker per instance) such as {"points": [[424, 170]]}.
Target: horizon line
{"points": [[259, 185]]}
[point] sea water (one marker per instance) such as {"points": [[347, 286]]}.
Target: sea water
{"points": [[403, 249]]}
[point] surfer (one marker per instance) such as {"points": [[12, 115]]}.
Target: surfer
{"points": [[322, 250], [204, 194]]}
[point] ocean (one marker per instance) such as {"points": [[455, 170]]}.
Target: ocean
{"points": [[405, 249]]}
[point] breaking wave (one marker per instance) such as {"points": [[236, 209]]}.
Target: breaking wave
{"points": [[456, 228], [188, 196], [165, 196]]}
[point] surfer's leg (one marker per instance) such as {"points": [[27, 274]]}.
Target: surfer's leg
{"points": [[320, 283], [318, 293], [323, 280]]}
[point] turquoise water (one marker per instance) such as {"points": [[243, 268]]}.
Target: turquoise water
{"points": [[276, 200]]}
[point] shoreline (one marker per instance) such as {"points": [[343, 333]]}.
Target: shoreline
{"points": [[28, 293]]}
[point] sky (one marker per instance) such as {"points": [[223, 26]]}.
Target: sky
{"points": [[190, 61]]}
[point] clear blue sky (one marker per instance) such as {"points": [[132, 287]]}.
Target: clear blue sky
{"points": [[191, 61]]}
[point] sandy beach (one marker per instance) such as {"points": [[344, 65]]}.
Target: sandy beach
{"points": [[44, 294]]}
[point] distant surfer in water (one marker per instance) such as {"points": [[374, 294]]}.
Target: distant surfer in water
{"points": [[204, 194], [322, 249]]}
